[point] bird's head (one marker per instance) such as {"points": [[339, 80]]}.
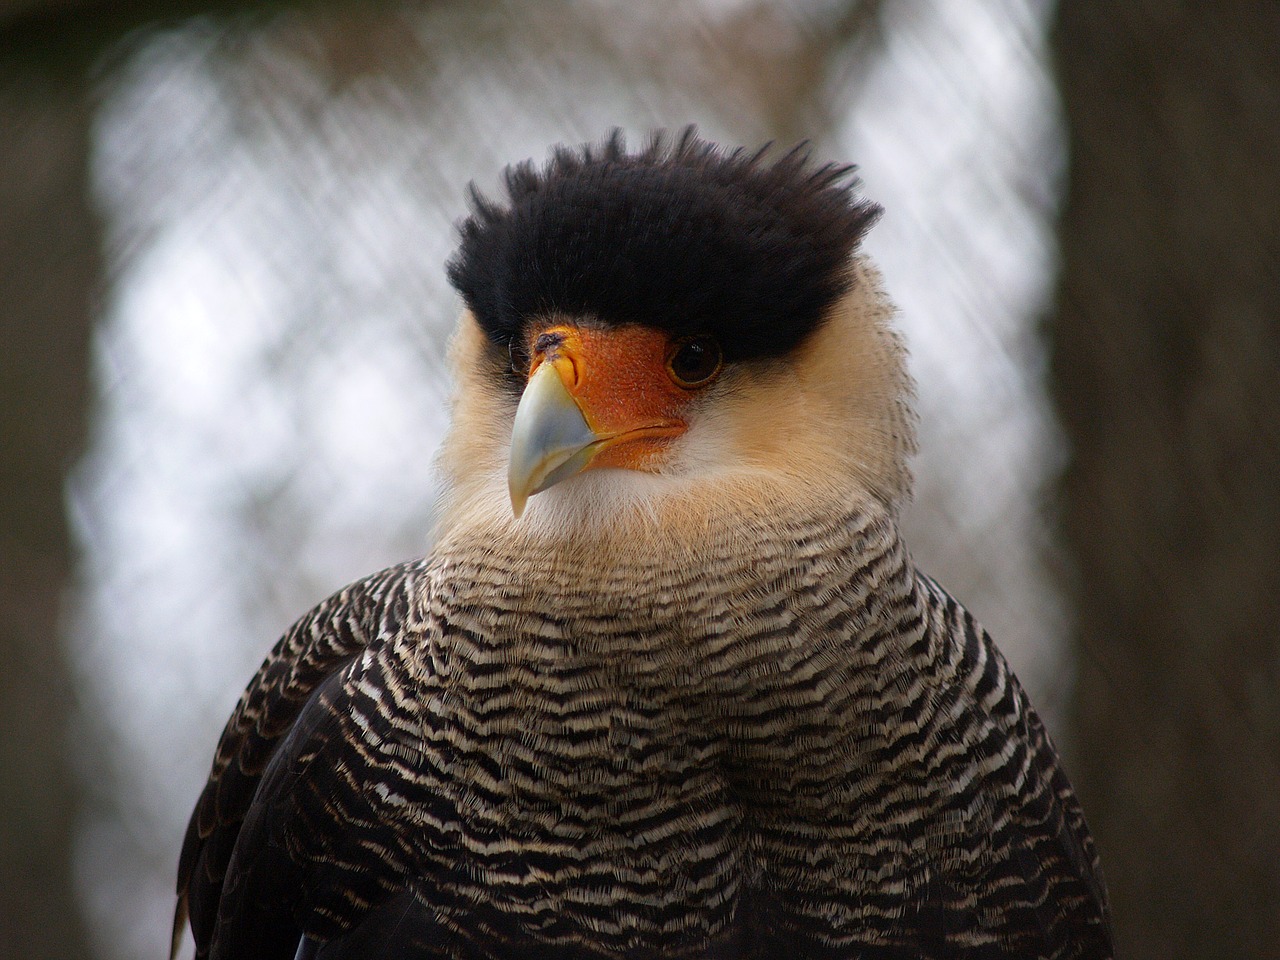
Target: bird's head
{"points": [[680, 323]]}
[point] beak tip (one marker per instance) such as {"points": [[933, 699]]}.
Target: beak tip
{"points": [[518, 502]]}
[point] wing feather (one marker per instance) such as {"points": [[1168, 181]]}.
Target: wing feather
{"points": [[318, 647]]}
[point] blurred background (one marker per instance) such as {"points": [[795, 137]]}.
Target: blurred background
{"points": [[223, 313]]}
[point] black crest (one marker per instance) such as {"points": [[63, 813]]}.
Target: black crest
{"points": [[682, 235]]}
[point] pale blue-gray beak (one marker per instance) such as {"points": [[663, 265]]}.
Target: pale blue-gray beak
{"points": [[550, 439]]}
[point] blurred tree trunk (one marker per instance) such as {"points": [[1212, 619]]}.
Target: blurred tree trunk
{"points": [[1167, 375], [48, 268]]}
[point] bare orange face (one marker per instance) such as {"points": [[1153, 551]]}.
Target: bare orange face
{"points": [[619, 380], [603, 397]]}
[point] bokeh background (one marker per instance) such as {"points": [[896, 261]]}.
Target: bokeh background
{"points": [[223, 314]]}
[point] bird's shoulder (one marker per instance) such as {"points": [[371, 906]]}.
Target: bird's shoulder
{"points": [[1040, 846], [310, 656]]}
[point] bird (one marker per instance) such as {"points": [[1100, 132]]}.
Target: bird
{"points": [[668, 683]]}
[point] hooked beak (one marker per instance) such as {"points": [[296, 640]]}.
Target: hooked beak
{"points": [[595, 398], [550, 441]]}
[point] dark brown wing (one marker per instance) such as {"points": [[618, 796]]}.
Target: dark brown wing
{"points": [[1042, 887], [318, 647]]}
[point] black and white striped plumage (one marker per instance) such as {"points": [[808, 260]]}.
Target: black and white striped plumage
{"points": [[698, 706]]}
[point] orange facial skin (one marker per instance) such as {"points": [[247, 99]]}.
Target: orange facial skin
{"points": [[619, 380]]}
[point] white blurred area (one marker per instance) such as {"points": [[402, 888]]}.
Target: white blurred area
{"points": [[280, 198]]}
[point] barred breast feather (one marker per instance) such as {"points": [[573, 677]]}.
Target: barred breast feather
{"points": [[766, 736]]}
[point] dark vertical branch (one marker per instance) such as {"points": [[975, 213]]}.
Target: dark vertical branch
{"points": [[1167, 365], [48, 269]]}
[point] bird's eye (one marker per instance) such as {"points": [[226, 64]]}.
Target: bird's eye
{"points": [[694, 361]]}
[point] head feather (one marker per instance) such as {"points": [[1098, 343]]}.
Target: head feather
{"points": [[681, 235]]}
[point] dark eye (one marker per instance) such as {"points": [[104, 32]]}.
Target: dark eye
{"points": [[694, 361]]}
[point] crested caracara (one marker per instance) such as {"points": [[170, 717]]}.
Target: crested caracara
{"points": [[669, 685]]}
